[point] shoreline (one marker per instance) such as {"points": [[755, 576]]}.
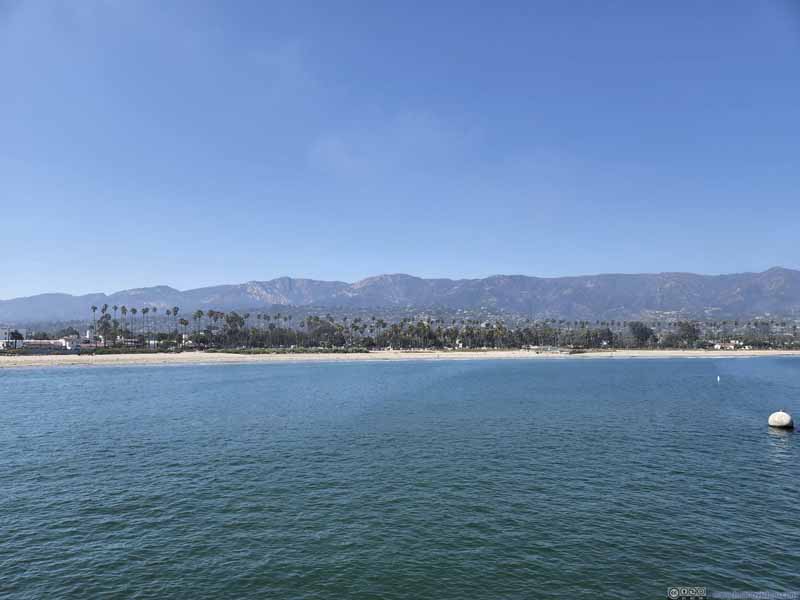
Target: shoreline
{"points": [[203, 358]]}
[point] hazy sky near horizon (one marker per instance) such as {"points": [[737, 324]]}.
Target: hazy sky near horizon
{"points": [[196, 143]]}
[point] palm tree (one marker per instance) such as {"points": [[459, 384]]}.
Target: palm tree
{"points": [[133, 322], [214, 315], [175, 311], [246, 317], [103, 310], [197, 316], [207, 324], [124, 311], [94, 319], [115, 308], [146, 332], [183, 323]]}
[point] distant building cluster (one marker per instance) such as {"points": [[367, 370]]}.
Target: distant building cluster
{"points": [[142, 330], [16, 338]]}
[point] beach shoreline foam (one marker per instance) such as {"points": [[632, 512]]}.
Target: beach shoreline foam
{"points": [[211, 358]]}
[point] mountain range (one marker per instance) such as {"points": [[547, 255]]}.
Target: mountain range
{"points": [[610, 296]]}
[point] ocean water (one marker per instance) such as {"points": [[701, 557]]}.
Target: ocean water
{"points": [[460, 479]]}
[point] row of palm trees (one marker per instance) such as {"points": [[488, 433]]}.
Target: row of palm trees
{"points": [[213, 328], [146, 325]]}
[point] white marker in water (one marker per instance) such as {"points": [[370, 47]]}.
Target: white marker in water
{"points": [[717, 378]]}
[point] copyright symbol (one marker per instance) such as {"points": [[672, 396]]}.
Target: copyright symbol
{"points": [[673, 593]]}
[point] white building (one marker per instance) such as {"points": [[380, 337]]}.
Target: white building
{"points": [[71, 342], [65, 343], [5, 331], [44, 344], [5, 337]]}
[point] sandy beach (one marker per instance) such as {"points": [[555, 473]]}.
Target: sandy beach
{"points": [[199, 358]]}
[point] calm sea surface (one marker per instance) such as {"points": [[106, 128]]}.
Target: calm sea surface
{"points": [[473, 479]]}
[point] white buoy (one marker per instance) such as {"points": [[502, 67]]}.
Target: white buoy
{"points": [[717, 378], [781, 420]]}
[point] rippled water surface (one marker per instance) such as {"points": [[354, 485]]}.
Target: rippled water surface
{"points": [[473, 479]]}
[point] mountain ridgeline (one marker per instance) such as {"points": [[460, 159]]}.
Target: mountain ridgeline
{"points": [[613, 296]]}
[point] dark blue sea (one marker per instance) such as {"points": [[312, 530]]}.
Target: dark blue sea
{"points": [[454, 480]]}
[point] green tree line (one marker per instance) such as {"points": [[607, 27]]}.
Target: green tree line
{"points": [[120, 325]]}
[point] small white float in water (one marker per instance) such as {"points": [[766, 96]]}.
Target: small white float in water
{"points": [[781, 420]]}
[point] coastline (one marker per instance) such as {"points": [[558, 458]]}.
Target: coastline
{"points": [[203, 358]]}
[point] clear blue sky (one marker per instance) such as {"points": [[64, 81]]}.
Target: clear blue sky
{"points": [[194, 143]]}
